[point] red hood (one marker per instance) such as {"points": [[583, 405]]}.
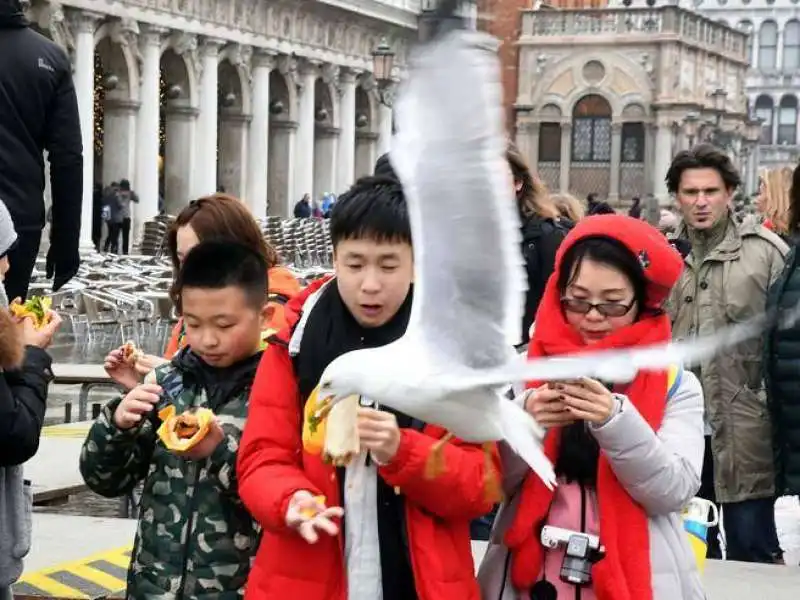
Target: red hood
{"points": [[294, 307]]}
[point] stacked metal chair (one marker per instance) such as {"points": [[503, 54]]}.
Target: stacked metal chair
{"points": [[154, 235]]}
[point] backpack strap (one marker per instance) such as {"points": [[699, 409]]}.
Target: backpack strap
{"points": [[674, 378]]}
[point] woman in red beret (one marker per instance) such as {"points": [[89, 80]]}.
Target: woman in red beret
{"points": [[628, 457]]}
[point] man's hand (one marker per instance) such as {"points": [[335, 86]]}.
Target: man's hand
{"points": [[379, 433], [307, 515], [138, 402], [61, 265], [41, 338]]}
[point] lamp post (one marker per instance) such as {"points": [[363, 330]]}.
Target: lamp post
{"points": [[752, 135], [382, 65], [690, 125]]}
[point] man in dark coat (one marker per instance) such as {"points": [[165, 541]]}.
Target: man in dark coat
{"points": [[38, 112]]}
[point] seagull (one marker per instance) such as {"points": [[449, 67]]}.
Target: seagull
{"points": [[456, 359]]}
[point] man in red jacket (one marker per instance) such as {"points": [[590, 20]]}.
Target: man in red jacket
{"points": [[402, 536]]}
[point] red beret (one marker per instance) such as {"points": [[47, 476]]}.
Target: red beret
{"points": [[662, 264]]}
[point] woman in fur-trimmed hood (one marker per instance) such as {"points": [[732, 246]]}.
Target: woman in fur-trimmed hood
{"points": [[23, 394]]}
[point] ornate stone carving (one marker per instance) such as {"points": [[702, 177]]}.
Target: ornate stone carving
{"points": [[541, 64], [60, 29], [287, 66], [265, 58], [367, 81], [240, 56], [125, 32], [330, 74]]}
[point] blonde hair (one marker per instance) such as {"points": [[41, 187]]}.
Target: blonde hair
{"points": [[533, 198], [774, 197], [569, 206]]}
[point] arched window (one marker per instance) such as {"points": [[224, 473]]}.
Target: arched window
{"points": [[768, 45], [747, 27], [764, 111], [591, 130], [791, 46], [787, 120]]}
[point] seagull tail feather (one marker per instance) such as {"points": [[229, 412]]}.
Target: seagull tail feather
{"points": [[525, 437]]}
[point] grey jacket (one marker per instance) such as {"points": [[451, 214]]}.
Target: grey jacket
{"points": [[661, 472]]}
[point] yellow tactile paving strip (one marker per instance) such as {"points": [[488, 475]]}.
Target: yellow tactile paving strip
{"points": [[63, 431], [96, 576]]}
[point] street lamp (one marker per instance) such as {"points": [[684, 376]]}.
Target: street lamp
{"points": [[690, 123], [753, 129], [382, 65], [718, 97]]}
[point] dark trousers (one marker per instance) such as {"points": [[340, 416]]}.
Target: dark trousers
{"points": [[112, 238], [126, 234], [22, 259], [750, 532]]}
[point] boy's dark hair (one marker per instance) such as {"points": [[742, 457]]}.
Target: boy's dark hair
{"points": [[702, 156], [374, 208], [125, 185], [217, 264]]}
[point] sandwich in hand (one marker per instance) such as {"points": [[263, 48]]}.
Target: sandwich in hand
{"points": [[332, 431], [36, 308], [182, 432]]}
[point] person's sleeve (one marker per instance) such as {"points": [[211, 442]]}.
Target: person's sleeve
{"points": [[113, 460], [172, 344], [661, 471], [65, 153], [269, 464], [222, 462], [459, 492], [23, 401]]}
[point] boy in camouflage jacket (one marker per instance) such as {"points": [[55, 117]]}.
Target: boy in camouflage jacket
{"points": [[195, 538]]}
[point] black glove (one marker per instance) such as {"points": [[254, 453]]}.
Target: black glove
{"points": [[61, 266]]}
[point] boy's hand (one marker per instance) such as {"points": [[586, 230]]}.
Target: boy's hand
{"points": [[205, 447], [307, 515], [379, 433], [137, 403], [41, 338], [120, 371]]}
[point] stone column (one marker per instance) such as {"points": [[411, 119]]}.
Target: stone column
{"points": [[281, 198], [233, 152], [325, 153], [258, 143], [366, 142], [179, 155], [304, 163], [533, 146], [147, 142], [206, 166], [84, 24], [119, 140], [566, 156], [663, 158], [616, 160], [384, 129], [347, 130]]}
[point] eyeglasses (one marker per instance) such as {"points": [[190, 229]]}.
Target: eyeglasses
{"points": [[606, 309]]}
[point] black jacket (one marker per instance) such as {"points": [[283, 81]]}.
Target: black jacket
{"points": [[38, 112], [23, 398], [540, 241], [782, 379]]}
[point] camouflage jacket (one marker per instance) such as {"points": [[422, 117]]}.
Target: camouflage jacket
{"points": [[195, 539]]}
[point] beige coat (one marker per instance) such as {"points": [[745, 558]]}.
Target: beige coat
{"points": [[730, 286]]}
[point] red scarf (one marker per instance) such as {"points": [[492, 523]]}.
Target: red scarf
{"points": [[623, 523]]}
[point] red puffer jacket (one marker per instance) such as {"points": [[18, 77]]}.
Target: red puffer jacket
{"points": [[272, 466]]}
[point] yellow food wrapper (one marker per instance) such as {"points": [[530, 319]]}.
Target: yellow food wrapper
{"points": [[169, 422], [310, 513], [313, 425]]}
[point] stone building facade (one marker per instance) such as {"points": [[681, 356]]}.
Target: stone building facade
{"points": [[268, 100], [606, 97]]}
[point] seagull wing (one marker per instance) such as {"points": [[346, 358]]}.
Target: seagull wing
{"points": [[622, 365], [449, 152]]}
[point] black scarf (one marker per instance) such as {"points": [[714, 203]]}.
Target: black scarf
{"points": [[330, 331]]}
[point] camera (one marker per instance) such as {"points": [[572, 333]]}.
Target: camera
{"points": [[582, 551]]}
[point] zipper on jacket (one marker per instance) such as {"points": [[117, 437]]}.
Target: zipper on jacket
{"points": [[189, 523]]}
